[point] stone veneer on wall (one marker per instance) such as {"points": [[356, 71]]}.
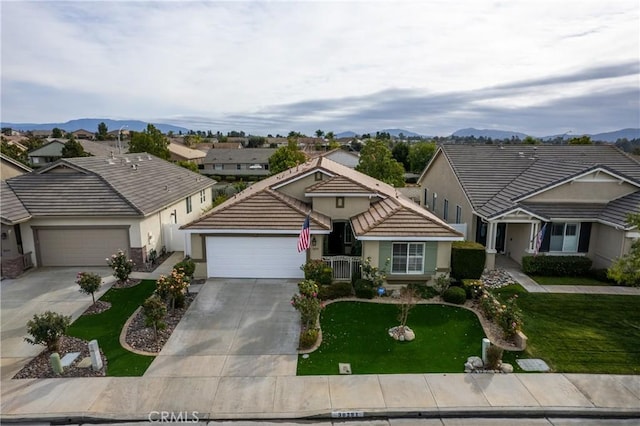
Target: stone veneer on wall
{"points": [[138, 255]]}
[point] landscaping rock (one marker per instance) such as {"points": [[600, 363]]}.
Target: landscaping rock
{"points": [[402, 334], [476, 362], [496, 278], [506, 368]]}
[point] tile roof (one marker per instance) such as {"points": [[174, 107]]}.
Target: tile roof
{"points": [[13, 211], [186, 152], [262, 206], [15, 163], [242, 156], [129, 184], [495, 176], [338, 184]]}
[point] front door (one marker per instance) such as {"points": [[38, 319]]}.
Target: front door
{"points": [[340, 241]]}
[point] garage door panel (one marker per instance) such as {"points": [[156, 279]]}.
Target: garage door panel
{"points": [[80, 246], [254, 257]]}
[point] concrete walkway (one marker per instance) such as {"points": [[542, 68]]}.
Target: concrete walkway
{"points": [[190, 382]]}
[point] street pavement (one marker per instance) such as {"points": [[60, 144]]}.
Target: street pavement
{"points": [[233, 358]]}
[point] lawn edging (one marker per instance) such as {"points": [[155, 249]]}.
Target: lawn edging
{"points": [[487, 326]]}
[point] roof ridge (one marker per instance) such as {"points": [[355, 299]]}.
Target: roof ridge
{"points": [[395, 206]]}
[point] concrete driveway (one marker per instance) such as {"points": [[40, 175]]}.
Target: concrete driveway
{"points": [[37, 291], [235, 327]]}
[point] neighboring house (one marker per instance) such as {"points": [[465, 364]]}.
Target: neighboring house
{"points": [[180, 152], [52, 151], [352, 217], [40, 134], [46, 154], [11, 168], [83, 134], [238, 162], [505, 194], [78, 211]]}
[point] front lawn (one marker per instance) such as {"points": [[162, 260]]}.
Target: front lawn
{"points": [[568, 280], [582, 333], [106, 327], [356, 333]]}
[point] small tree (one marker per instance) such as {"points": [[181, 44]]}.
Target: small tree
{"points": [[286, 157], [72, 148], [154, 311], [121, 266], [89, 283], [408, 299], [47, 329], [172, 288]]}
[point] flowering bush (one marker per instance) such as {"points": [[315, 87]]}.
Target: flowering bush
{"points": [[373, 273], [121, 266], [47, 329], [308, 288], [318, 271], [172, 288], [307, 303], [89, 283], [506, 314]]}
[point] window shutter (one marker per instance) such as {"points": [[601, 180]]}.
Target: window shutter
{"points": [[585, 235], [546, 241]]}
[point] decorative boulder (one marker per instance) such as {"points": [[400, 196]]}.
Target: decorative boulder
{"points": [[409, 335], [402, 334], [476, 362]]}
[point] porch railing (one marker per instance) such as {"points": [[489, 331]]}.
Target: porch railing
{"points": [[343, 266]]}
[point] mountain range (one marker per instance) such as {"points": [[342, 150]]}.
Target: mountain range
{"points": [[91, 124]]}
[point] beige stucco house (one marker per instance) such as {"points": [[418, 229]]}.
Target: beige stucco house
{"points": [[352, 217], [11, 168], [503, 195], [78, 211]]}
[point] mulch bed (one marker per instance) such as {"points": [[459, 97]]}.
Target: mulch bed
{"points": [[142, 338], [97, 308], [39, 367], [126, 284]]}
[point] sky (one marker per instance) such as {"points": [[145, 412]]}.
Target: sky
{"points": [[267, 67]]}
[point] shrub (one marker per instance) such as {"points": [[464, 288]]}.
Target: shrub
{"points": [[442, 283], [364, 289], [121, 266], [556, 266], [373, 273], [47, 329], [473, 288], [89, 283], [467, 260], [505, 314], [494, 357], [308, 288], [335, 291], [187, 265], [424, 291], [318, 271], [154, 311], [308, 338], [172, 288], [455, 295], [309, 308]]}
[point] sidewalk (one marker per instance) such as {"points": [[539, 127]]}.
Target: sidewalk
{"points": [[289, 397]]}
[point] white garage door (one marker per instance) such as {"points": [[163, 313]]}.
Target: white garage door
{"points": [[79, 246], [254, 257]]}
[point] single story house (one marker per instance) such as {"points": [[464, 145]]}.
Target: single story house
{"points": [[504, 195], [83, 134], [78, 211], [238, 162], [352, 217], [47, 153], [226, 145], [11, 168], [179, 152]]}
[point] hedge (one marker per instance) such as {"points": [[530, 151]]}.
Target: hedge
{"points": [[455, 295], [467, 260], [556, 266]]}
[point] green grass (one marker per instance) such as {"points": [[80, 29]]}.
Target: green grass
{"points": [[356, 333], [567, 280], [106, 327], [582, 333]]}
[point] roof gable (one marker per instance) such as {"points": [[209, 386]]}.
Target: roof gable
{"points": [[50, 149], [338, 185]]}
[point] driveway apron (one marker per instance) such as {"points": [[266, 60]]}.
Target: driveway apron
{"points": [[234, 327]]}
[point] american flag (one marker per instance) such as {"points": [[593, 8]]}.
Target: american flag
{"points": [[304, 239], [539, 238]]}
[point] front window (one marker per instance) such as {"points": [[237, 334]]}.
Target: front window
{"points": [[564, 237], [340, 202], [445, 211], [407, 258], [189, 207], [203, 196], [458, 214], [217, 166], [426, 197]]}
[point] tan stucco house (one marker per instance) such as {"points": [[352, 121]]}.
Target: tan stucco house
{"points": [[11, 168], [352, 217], [78, 211], [503, 195]]}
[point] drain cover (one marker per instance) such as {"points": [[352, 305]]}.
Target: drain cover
{"points": [[533, 364]]}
